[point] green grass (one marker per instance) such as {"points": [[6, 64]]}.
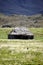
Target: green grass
{"points": [[4, 33], [21, 52], [38, 33]]}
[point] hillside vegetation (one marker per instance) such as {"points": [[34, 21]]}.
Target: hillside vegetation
{"points": [[21, 20]]}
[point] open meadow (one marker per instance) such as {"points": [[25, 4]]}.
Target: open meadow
{"points": [[21, 52]]}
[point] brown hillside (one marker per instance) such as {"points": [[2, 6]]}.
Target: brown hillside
{"points": [[21, 20]]}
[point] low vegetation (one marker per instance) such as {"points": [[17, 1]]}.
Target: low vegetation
{"points": [[21, 52], [21, 20]]}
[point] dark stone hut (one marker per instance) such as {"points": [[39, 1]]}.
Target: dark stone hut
{"points": [[20, 33], [6, 26]]}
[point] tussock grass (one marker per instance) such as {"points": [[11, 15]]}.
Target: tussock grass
{"points": [[21, 52]]}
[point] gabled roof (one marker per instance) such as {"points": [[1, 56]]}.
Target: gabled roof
{"points": [[21, 30]]}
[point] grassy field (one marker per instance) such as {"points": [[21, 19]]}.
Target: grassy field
{"points": [[21, 52]]}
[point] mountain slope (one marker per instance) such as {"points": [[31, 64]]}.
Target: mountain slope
{"points": [[26, 7], [21, 20]]}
